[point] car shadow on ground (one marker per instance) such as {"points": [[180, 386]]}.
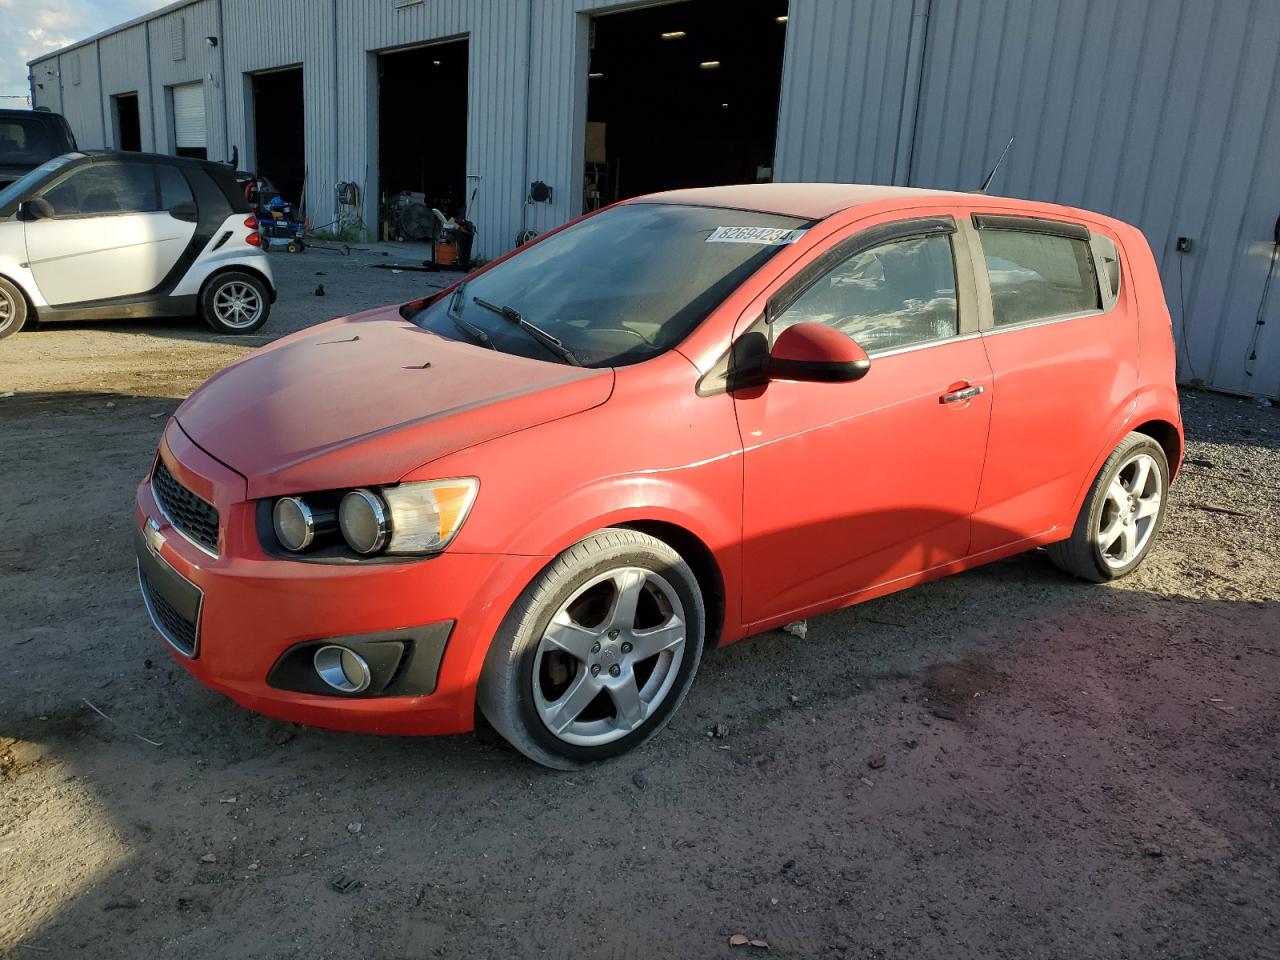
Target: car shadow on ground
{"points": [[1003, 740], [1003, 763]]}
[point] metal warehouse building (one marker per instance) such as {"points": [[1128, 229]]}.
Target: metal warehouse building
{"points": [[1165, 113]]}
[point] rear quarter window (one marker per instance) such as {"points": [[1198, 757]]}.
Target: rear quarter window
{"points": [[1038, 276]]}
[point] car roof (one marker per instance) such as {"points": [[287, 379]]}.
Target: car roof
{"points": [[809, 201], [100, 155]]}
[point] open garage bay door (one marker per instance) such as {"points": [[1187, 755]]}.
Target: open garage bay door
{"points": [[422, 153], [683, 95], [279, 133]]}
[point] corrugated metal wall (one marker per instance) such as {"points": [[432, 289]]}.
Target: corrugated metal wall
{"points": [[126, 69], [1162, 112]]}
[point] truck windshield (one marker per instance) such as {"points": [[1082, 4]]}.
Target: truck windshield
{"points": [[25, 142], [617, 288]]}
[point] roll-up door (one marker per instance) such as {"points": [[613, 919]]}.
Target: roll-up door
{"points": [[189, 128]]}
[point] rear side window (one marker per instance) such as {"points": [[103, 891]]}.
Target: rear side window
{"points": [[898, 294], [1038, 276], [174, 188], [103, 189]]}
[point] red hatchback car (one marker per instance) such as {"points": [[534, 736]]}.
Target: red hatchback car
{"points": [[687, 418]]}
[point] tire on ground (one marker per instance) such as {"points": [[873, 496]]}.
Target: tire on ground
{"points": [[1080, 554], [14, 312], [209, 314], [505, 693]]}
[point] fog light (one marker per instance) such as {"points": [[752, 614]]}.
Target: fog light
{"points": [[363, 520], [342, 668]]}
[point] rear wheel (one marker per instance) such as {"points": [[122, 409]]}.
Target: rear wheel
{"points": [[235, 303], [13, 309], [597, 653], [1121, 516]]}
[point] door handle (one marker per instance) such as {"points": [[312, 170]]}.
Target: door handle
{"points": [[959, 396]]}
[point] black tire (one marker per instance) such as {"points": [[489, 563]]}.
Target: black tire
{"points": [[506, 694], [14, 312], [225, 282], [1081, 554]]}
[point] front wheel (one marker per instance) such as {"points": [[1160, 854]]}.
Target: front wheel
{"points": [[13, 309], [1122, 514], [597, 653], [235, 303]]}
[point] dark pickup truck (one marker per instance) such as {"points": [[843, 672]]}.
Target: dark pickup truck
{"points": [[28, 138]]}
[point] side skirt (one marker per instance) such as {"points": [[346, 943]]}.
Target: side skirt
{"points": [[146, 308], [902, 583]]}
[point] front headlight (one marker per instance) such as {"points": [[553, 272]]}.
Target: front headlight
{"points": [[426, 516], [406, 519]]}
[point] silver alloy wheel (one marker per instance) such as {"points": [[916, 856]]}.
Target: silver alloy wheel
{"points": [[609, 657], [8, 309], [237, 304], [1129, 511]]}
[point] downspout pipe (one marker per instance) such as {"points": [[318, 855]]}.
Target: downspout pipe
{"points": [[528, 108], [912, 91]]}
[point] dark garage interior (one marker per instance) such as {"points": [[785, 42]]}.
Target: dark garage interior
{"points": [[278, 131], [683, 95], [128, 122], [422, 124]]}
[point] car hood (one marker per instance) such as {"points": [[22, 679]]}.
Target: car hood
{"points": [[367, 399]]}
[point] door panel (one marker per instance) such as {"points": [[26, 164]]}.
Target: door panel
{"points": [[97, 258], [847, 486], [1058, 386], [1059, 380]]}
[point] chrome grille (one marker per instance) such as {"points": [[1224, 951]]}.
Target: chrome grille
{"points": [[193, 517]]}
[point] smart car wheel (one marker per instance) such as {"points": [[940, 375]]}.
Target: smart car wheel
{"points": [[597, 653], [1122, 514], [235, 303], [13, 309]]}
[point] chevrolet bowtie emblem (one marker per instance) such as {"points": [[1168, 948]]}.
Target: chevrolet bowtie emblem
{"points": [[151, 533]]}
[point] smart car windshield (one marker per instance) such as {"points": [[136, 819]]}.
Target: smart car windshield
{"points": [[617, 288], [15, 191]]}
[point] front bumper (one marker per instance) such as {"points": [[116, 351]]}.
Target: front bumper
{"points": [[252, 610]]}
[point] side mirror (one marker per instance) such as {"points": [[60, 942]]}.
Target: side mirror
{"points": [[184, 211], [37, 208], [816, 353]]}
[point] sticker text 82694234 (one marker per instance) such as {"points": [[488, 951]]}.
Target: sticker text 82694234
{"points": [[767, 236]]}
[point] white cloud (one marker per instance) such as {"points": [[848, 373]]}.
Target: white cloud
{"points": [[28, 29]]}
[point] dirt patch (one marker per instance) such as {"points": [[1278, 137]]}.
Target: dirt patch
{"points": [[1112, 792], [956, 686]]}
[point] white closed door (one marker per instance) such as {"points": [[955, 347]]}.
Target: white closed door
{"points": [[107, 238], [190, 131]]}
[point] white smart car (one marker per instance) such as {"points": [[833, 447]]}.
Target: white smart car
{"points": [[99, 234]]}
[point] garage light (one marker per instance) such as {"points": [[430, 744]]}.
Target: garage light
{"points": [[674, 35], [710, 65], [595, 76], [782, 19]]}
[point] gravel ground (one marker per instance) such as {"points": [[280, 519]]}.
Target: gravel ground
{"points": [[1006, 763]]}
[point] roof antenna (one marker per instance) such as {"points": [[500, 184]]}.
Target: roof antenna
{"points": [[986, 184]]}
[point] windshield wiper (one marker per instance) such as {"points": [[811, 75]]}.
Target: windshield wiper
{"points": [[470, 329], [512, 315]]}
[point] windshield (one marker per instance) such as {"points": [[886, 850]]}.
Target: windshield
{"points": [[15, 191], [25, 142], [615, 289]]}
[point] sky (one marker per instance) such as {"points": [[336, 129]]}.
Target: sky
{"points": [[28, 28]]}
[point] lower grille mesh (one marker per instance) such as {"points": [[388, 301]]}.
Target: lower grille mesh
{"points": [[177, 629]]}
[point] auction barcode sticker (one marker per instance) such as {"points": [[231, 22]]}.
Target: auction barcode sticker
{"points": [[768, 236]]}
